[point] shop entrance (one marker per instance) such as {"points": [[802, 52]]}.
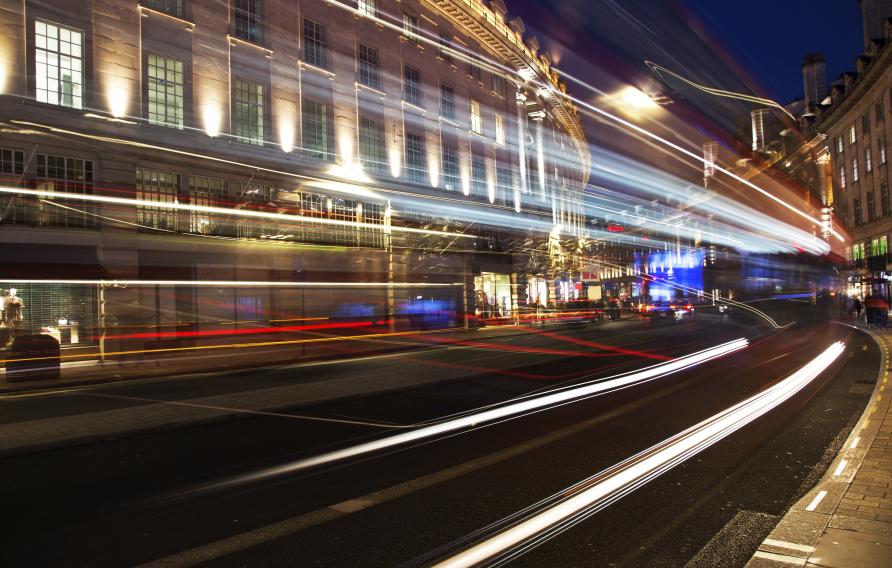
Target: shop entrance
{"points": [[492, 292]]}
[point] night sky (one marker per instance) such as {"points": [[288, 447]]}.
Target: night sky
{"points": [[769, 37], [753, 46]]}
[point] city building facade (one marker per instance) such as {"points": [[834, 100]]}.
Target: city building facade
{"points": [[204, 165]]}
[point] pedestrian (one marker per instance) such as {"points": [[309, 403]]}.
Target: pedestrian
{"points": [[858, 307]]}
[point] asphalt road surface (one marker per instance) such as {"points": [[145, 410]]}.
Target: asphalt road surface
{"points": [[196, 496]]}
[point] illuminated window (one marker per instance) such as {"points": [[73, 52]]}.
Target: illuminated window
{"points": [[371, 144], [172, 7], [839, 145], [882, 150], [871, 207], [444, 42], [69, 175], [206, 192], [500, 130], [369, 67], [249, 114], [58, 53], [852, 137], [412, 85], [153, 186], [447, 101], [476, 118], [883, 246], [165, 90], [451, 180], [868, 163], [842, 177], [246, 15], [367, 8], [315, 129], [884, 199], [854, 170], [410, 26], [416, 161], [315, 44]]}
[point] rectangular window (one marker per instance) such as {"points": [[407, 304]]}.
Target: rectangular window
{"points": [[504, 184], [249, 115], [68, 175], [412, 85], [868, 163], [315, 44], [476, 118], [315, 129], [478, 176], [367, 8], [498, 84], [882, 150], [207, 192], [451, 179], [852, 137], [246, 16], [474, 71], [11, 164], [874, 246], [369, 67], [880, 111], [447, 101], [839, 145], [153, 186], [416, 161], [883, 246], [500, 130], [58, 53], [165, 90], [371, 144], [444, 42], [871, 207], [854, 170], [842, 177], [856, 212], [171, 7], [884, 199], [865, 123], [410, 26]]}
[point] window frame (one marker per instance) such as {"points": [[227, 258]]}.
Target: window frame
{"points": [[180, 113], [247, 25], [256, 135], [318, 39], [78, 88], [412, 91], [369, 63]]}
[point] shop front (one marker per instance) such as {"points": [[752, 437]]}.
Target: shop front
{"points": [[67, 312], [492, 294]]}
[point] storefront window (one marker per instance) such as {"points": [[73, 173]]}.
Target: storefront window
{"points": [[492, 292], [65, 311], [537, 291]]}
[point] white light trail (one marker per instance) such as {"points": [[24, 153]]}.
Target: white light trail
{"points": [[514, 410], [284, 217], [602, 489]]}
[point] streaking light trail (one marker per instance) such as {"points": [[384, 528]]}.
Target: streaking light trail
{"points": [[597, 492], [509, 411]]}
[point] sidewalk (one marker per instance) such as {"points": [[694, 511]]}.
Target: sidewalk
{"points": [[846, 519]]}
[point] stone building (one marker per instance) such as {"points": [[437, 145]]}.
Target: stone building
{"points": [[204, 165]]}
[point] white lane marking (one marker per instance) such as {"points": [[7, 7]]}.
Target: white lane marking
{"points": [[789, 545], [261, 535], [780, 558], [839, 469], [855, 442], [816, 501], [592, 494], [506, 412]]}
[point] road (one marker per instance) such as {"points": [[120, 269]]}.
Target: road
{"points": [[158, 497]]}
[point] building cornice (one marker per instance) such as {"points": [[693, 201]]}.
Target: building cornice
{"points": [[875, 71]]}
